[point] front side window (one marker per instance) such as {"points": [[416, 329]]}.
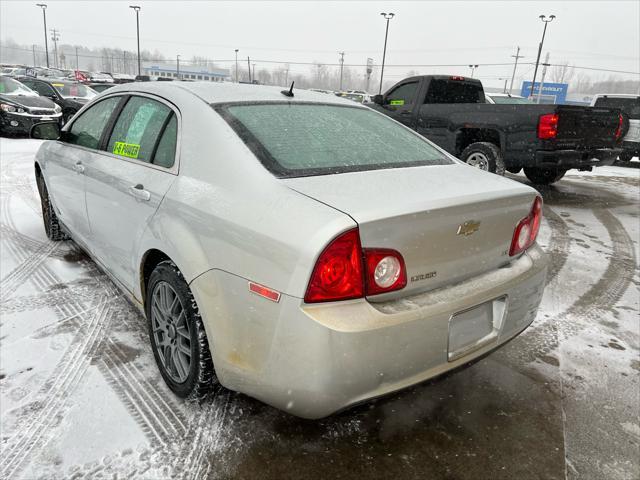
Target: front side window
{"points": [[402, 95], [138, 128], [87, 129], [312, 139]]}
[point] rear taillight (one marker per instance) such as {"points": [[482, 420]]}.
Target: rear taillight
{"points": [[345, 271], [619, 129], [385, 270], [527, 229], [548, 126]]}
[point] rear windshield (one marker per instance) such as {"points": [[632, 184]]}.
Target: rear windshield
{"points": [[294, 140], [454, 91], [630, 106], [74, 90]]}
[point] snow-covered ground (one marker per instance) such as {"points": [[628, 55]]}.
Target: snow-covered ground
{"points": [[81, 397]]}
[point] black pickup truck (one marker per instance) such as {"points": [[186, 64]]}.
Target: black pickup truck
{"points": [[545, 140]]}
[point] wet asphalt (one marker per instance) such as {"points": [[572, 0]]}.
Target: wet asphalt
{"points": [[560, 401]]}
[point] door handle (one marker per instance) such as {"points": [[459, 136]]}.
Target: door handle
{"points": [[78, 167], [140, 193]]}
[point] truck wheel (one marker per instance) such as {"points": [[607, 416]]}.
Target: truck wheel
{"points": [[514, 170], [625, 157], [49, 218], [544, 176], [485, 156], [177, 335]]}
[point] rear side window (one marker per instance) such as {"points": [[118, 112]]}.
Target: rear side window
{"points": [[139, 128], [166, 152], [454, 91], [630, 106], [87, 129], [42, 88], [302, 139], [402, 95]]}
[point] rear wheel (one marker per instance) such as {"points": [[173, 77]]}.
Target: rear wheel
{"points": [[49, 218], [544, 176], [177, 335], [514, 170], [625, 156], [485, 156]]}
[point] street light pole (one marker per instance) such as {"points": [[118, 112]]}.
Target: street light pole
{"points": [[473, 69], [535, 71], [237, 65], [178, 66], [515, 65], [137, 9], [43, 6], [55, 38], [341, 67], [387, 16]]}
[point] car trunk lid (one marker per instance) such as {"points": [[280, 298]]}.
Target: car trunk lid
{"points": [[449, 222]]}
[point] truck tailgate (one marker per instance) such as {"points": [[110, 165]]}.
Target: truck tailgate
{"points": [[586, 127]]}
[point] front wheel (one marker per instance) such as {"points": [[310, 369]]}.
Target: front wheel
{"points": [[544, 176], [177, 335], [485, 156]]}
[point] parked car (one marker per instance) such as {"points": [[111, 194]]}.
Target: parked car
{"points": [[506, 98], [544, 140], [100, 87], [21, 107], [70, 95], [630, 106], [355, 96], [272, 248]]}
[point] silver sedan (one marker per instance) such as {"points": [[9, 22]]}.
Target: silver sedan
{"points": [[297, 247]]}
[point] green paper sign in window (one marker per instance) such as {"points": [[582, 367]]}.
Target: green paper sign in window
{"points": [[130, 150], [396, 102]]}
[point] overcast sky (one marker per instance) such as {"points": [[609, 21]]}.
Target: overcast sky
{"points": [[604, 34]]}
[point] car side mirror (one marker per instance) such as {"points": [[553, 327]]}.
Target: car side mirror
{"points": [[377, 99], [45, 131]]}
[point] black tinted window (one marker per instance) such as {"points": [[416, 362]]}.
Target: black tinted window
{"points": [[87, 129], [42, 88], [402, 95], [454, 91]]}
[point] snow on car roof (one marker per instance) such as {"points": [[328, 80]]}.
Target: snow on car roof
{"points": [[232, 92]]}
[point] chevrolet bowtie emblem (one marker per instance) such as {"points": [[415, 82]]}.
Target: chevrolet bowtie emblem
{"points": [[468, 228]]}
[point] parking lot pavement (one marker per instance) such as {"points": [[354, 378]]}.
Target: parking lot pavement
{"points": [[81, 396]]}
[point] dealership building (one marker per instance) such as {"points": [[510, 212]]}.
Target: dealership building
{"points": [[189, 72]]}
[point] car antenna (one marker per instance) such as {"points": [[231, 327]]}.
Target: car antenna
{"points": [[288, 93]]}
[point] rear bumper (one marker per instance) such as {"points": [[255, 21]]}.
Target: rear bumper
{"points": [[313, 360], [567, 159]]}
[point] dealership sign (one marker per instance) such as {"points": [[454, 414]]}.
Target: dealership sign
{"points": [[556, 90]]}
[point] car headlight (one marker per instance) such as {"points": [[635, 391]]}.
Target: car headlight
{"points": [[57, 108], [5, 107]]}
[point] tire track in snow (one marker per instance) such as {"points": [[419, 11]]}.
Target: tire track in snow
{"points": [[22, 272], [559, 243], [592, 305]]}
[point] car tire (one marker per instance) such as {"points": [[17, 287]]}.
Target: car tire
{"points": [[544, 176], [485, 156], [625, 156], [175, 331], [514, 170], [51, 223]]}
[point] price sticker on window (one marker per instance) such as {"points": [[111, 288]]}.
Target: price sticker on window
{"points": [[396, 102], [129, 150]]}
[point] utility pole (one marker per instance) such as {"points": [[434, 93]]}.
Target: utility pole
{"points": [[384, 50], [124, 62], [544, 73], [254, 72], [535, 72], [33, 47], [43, 6], [137, 9], [55, 38], [249, 68], [369, 70], [341, 67], [515, 65], [77, 63], [178, 67], [286, 77], [237, 65]]}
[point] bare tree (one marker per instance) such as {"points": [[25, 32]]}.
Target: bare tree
{"points": [[561, 73]]}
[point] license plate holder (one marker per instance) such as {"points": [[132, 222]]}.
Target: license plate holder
{"points": [[475, 327]]}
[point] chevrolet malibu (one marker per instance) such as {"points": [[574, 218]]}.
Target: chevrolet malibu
{"points": [[297, 247]]}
